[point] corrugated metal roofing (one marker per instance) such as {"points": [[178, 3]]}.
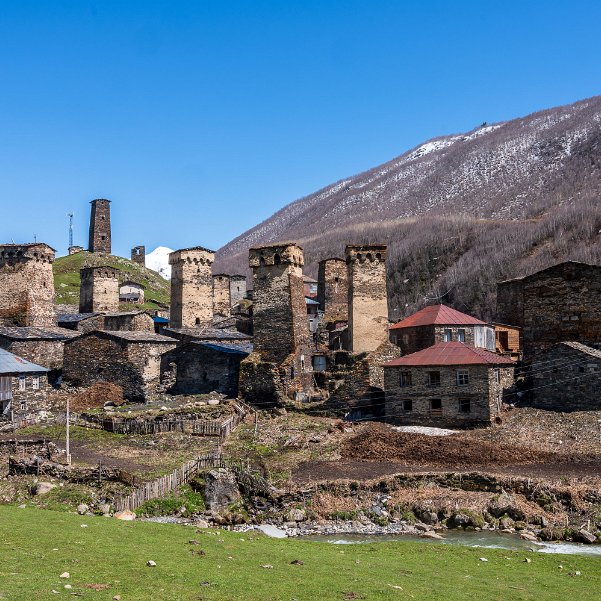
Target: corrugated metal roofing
{"points": [[12, 365], [437, 315], [450, 353], [310, 301]]}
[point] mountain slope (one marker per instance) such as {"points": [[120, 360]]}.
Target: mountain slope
{"points": [[460, 211], [67, 280]]}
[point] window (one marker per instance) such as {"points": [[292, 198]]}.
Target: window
{"points": [[497, 375], [405, 379], [22, 382], [448, 335], [302, 358], [35, 382], [436, 407], [463, 377], [23, 405], [465, 406], [433, 378], [461, 335], [407, 405]]}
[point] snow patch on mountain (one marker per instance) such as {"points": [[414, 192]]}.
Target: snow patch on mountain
{"points": [[158, 260]]}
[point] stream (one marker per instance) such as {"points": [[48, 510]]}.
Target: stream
{"points": [[482, 539]]}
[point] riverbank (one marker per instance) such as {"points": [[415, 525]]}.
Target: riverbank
{"points": [[109, 558]]}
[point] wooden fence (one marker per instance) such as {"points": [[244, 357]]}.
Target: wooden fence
{"points": [[164, 485], [199, 427]]}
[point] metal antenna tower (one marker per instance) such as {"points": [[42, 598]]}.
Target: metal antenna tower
{"points": [[70, 216]]}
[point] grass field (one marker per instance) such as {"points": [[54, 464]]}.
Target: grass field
{"points": [[108, 558]]}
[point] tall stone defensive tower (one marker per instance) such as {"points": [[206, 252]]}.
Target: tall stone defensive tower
{"points": [[100, 226], [138, 255], [367, 297], [279, 308], [221, 295], [332, 289], [27, 285], [237, 289], [280, 365], [99, 290], [191, 287]]}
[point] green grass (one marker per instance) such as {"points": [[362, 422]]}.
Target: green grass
{"points": [[66, 278], [37, 546]]}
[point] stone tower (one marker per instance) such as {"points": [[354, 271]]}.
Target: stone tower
{"points": [[138, 255], [99, 290], [332, 289], [237, 289], [191, 287], [27, 285], [279, 308], [221, 295], [367, 297], [100, 227]]}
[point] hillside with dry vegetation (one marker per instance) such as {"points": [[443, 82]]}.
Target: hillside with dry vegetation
{"points": [[459, 212]]}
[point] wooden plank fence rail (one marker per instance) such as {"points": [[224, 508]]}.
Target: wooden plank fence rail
{"points": [[199, 427]]}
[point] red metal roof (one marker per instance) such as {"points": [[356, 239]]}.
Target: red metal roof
{"points": [[439, 315], [450, 353]]}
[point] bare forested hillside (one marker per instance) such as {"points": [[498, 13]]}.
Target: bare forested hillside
{"points": [[460, 212]]}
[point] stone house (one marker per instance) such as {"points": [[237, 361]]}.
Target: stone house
{"points": [[130, 359], [27, 285], [557, 304], [567, 377], [203, 367], [449, 384], [439, 323], [131, 292], [43, 347], [23, 386]]}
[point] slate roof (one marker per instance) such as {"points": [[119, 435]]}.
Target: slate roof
{"points": [[583, 348], [31, 333], [11, 365], [75, 317], [437, 315], [229, 348], [450, 353], [208, 334]]}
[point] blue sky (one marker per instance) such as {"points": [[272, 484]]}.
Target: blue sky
{"points": [[200, 119]]}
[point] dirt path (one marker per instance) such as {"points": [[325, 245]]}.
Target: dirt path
{"points": [[367, 470]]}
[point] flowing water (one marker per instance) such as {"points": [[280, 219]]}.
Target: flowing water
{"points": [[484, 540]]}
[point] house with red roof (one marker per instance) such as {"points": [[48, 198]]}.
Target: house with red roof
{"points": [[439, 323], [450, 384]]}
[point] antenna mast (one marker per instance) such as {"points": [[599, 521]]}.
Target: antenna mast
{"points": [[70, 216]]}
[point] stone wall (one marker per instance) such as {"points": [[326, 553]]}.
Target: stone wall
{"points": [[135, 366], [27, 285], [483, 391], [557, 304], [191, 287], [367, 297], [222, 305], [138, 255], [47, 353], [99, 291], [332, 289], [200, 370], [100, 226], [30, 401], [567, 379], [237, 289], [129, 322]]}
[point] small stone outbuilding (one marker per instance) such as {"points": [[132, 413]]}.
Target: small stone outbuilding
{"points": [[567, 377], [447, 385], [130, 359], [23, 387]]}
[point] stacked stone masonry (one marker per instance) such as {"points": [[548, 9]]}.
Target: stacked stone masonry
{"points": [[138, 255], [191, 287], [367, 297], [222, 305], [27, 285], [332, 289], [100, 226], [237, 289], [99, 291]]}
